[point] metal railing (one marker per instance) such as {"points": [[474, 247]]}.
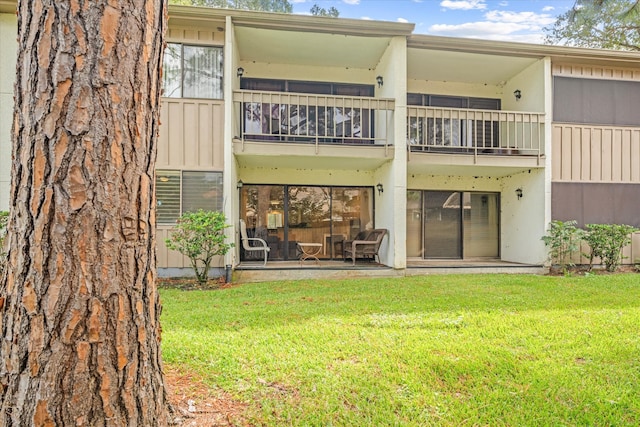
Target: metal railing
{"points": [[313, 118], [450, 130]]}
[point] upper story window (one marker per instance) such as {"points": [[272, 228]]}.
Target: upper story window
{"points": [[453, 101], [192, 71]]}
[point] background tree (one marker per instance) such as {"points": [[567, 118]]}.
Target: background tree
{"points": [[79, 305], [606, 24], [282, 6], [321, 11]]}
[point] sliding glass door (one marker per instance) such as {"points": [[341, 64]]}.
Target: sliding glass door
{"points": [[452, 224], [285, 215]]}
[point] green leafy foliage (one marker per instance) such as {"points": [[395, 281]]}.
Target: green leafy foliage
{"points": [[606, 242], [282, 6], [563, 240], [200, 237], [606, 24], [332, 12]]}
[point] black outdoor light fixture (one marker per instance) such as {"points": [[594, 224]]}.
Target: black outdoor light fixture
{"points": [[240, 71], [380, 81], [380, 188], [519, 193], [240, 184], [518, 94]]}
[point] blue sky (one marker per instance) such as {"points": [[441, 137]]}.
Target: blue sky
{"points": [[509, 20]]}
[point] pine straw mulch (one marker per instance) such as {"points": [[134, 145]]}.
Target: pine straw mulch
{"points": [[196, 404]]}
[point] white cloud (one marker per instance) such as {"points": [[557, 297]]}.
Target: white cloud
{"points": [[463, 4], [366, 18], [548, 8], [351, 1], [402, 20], [504, 3], [530, 18], [500, 25]]}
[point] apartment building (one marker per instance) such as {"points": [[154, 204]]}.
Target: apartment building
{"points": [[313, 129]]}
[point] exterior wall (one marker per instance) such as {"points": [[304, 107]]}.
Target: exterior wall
{"points": [[191, 137], [391, 204], [307, 73], [595, 72], [455, 89], [595, 154], [204, 35], [230, 177], [8, 31], [520, 220], [585, 153], [531, 82], [191, 134], [524, 220]]}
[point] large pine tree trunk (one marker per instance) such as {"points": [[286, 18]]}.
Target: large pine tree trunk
{"points": [[79, 307]]}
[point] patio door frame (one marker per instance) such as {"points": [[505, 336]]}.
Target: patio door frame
{"points": [[285, 244], [462, 230]]}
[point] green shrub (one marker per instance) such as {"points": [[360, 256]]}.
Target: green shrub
{"points": [[606, 242], [563, 240], [200, 236]]}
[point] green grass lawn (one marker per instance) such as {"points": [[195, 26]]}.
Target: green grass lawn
{"points": [[498, 350]]}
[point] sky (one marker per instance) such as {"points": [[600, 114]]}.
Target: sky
{"points": [[507, 20]]}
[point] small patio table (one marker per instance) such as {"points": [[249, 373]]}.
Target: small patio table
{"points": [[309, 251]]}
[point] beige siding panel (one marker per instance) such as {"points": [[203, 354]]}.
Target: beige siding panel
{"points": [[595, 165], [625, 155], [196, 35], [191, 134], [635, 248], [605, 154], [576, 154], [556, 153], [163, 139], [616, 158], [585, 153], [565, 160], [595, 72], [166, 257], [635, 156]]}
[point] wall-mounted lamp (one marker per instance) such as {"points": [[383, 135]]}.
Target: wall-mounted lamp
{"points": [[380, 188], [518, 94], [519, 193], [380, 81], [240, 71], [163, 178], [240, 184]]}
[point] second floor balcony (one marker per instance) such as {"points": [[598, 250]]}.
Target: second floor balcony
{"points": [[316, 119], [475, 131]]}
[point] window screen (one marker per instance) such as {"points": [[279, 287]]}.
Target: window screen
{"points": [[167, 196], [201, 190], [592, 101], [178, 192], [193, 71]]}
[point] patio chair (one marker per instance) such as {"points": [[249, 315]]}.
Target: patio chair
{"points": [[365, 245], [257, 245]]}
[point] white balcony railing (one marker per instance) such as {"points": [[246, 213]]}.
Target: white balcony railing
{"points": [[313, 118], [450, 130]]}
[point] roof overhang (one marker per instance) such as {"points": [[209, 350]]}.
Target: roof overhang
{"points": [[564, 54]]}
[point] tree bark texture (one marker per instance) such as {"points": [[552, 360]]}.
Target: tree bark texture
{"points": [[79, 307]]}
